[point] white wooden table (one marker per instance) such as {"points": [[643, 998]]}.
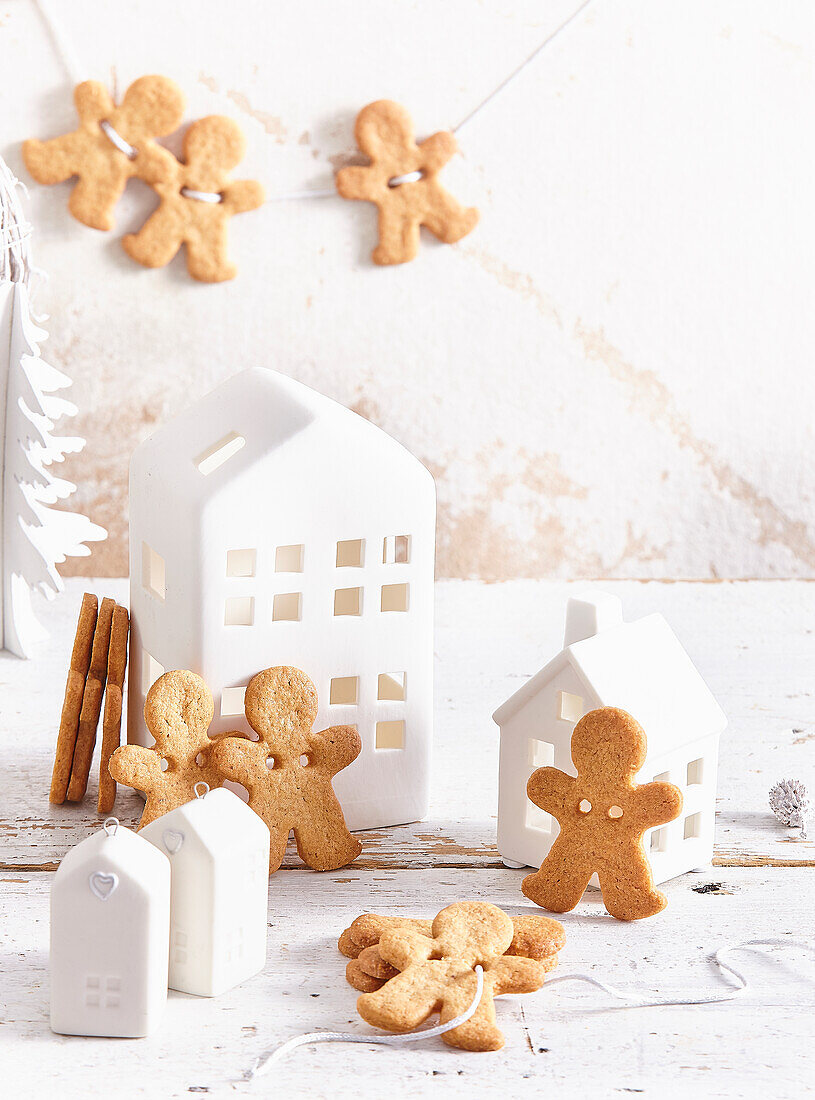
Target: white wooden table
{"points": [[754, 643]]}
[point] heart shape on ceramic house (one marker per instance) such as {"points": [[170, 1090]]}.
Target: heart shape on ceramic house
{"points": [[103, 884], [173, 840]]}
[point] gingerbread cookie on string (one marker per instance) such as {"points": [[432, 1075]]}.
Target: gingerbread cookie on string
{"points": [[402, 181], [178, 712], [105, 150], [603, 814], [197, 200], [288, 771]]}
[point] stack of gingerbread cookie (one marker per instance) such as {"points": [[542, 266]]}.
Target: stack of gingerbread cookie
{"points": [[98, 663]]}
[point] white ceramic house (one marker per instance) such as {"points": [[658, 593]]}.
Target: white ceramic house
{"points": [[269, 526], [219, 859], [110, 925], [642, 668]]}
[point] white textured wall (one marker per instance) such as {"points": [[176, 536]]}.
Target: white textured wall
{"points": [[612, 376]]}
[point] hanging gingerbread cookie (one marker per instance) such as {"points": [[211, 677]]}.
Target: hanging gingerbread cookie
{"points": [[104, 151], [402, 181], [197, 200]]}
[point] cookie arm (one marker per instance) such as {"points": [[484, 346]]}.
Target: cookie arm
{"points": [[437, 150], [657, 803], [155, 165], [336, 748], [352, 183], [135, 766], [243, 195], [513, 974], [402, 947], [235, 758], [550, 789]]}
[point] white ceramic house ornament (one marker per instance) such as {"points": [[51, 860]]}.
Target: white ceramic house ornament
{"points": [[110, 926], [219, 858], [642, 668], [271, 526]]}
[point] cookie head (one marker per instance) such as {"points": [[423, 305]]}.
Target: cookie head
{"points": [[608, 742], [473, 931], [152, 107], [281, 706], [213, 146], [178, 709], [383, 128]]}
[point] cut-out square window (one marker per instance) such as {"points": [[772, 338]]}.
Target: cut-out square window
{"points": [[241, 563], [239, 611], [344, 690], [663, 777], [540, 754], [287, 607], [536, 818], [392, 685], [570, 707], [395, 597], [659, 840], [152, 571], [693, 826], [232, 700], [289, 559], [396, 550], [150, 671], [351, 553], [219, 453], [695, 771], [390, 735], [348, 601]]}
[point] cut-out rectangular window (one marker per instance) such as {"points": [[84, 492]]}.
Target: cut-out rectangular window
{"points": [[395, 597], [289, 559], [663, 777], [219, 453], [536, 818], [350, 553], [152, 571], [695, 771], [232, 701], [540, 754], [392, 685], [693, 826], [287, 607], [659, 840], [390, 735], [344, 690], [241, 563], [570, 707], [239, 611], [150, 671], [348, 601], [396, 550]]}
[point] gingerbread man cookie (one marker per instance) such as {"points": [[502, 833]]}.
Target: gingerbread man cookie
{"points": [[152, 107], [437, 974], [384, 131], [602, 815], [178, 712], [197, 200], [288, 771]]}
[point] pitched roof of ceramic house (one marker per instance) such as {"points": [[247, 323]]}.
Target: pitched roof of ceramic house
{"points": [[642, 668]]}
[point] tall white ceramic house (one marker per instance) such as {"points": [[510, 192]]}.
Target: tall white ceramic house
{"points": [[270, 525], [642, 668]]}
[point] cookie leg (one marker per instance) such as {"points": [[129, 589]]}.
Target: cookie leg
{"points": [[156, 242], [628, 889], [447, 219], [398, 238], [207, 259], [559, 884], [94, 199], [323, 840], [277, 848], [480, 1032], [405, 1001]]}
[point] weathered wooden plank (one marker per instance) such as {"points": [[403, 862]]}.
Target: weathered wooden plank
{"points": [[752, 640], [572, 1037]]}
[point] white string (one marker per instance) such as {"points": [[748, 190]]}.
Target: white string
{"points": [[123, 146], [201, 196], [63, 47], [267, 1060]]}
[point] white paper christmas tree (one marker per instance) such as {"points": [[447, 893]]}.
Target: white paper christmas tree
{"points": [[34, 536]]}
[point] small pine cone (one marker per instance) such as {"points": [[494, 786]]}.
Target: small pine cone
{"points": [[790, 803]]}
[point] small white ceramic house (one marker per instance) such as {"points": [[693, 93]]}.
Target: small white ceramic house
{"points": [[110, 925], [219, 859], [271, 526], [642, 668]]}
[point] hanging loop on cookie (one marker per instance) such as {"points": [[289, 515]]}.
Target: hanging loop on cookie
{"points": [[116, 139], [201, 196], [205, 792], [408, 177], [111, 823]]}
